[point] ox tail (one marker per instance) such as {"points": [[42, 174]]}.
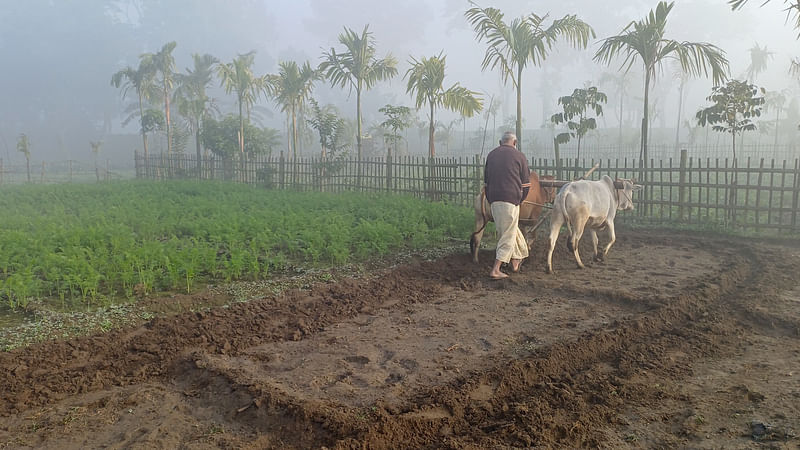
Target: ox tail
{"points": [[562, 205]]}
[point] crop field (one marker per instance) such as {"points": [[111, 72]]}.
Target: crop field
{"points": [[93, 243], [680, 339]]}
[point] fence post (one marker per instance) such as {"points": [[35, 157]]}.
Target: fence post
{"points": [[682, 187]]}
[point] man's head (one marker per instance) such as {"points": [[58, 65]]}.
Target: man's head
{"points": [[509, 138]]}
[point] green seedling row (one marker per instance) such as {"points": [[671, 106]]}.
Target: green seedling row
{"points": [[99, 242]]}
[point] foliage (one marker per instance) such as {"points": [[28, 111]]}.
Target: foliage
{"points": [[575, 112], [332, 130], [758, 61], [291, 88], [792, 9], [735, 103], [644, 40], [357, 68], [426, 85], [164, 63], [191, 98], [511, 46], [90, 243], [221, 137], [398, 118], [153, 120], [140, 80], [24, 145], [237, 76]]}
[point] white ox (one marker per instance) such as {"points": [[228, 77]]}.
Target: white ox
{"points": [[591, 204]]}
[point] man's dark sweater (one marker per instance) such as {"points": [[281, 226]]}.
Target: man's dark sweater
{"points": [[506, 175]]}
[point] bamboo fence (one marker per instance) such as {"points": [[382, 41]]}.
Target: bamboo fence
{"points": [[751, 196]]}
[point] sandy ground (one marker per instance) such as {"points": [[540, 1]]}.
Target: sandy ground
{"points": [[678, 340]]}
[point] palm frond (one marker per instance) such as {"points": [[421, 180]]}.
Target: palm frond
{"points": [[462, 100]]}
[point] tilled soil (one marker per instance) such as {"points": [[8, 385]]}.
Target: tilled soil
{"points": [[678, 340]]}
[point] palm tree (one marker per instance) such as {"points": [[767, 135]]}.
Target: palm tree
{"points": [[644, 39], [291, 89], [191, 98], [511, 46], [357, 68], [237, 76], [759, 57], [141, 80], [425, 84], [164, 63]]}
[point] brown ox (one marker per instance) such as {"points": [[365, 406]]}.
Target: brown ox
{"points": [[529, 212]]}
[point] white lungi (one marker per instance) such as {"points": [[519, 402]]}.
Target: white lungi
{"points": [[510, 242]]}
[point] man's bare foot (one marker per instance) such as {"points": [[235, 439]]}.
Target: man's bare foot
{"points": [[515, 265], [497, 275]]}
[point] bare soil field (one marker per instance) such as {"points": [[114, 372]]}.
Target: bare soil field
{"points": [[679, 340]]}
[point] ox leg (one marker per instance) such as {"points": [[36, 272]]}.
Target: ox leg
{"points": [[475, 239], [576, 240], [613, 236], [556, 220], [597, 256], [530, 236]]}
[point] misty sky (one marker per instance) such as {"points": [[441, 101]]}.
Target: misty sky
{"points": [[59, 55]]}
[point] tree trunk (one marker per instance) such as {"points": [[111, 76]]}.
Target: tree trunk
{"points": [[431, 149], [519, 108], [294, 133], [578, 157], [777, 125], [645, 120], [558, 158], [166, 112], [28, 165], [198, 148], [141, 124], [621, 104], [358, 119], [241, 127], [678, 125]]}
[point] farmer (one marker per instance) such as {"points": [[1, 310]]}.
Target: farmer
{"points": [[507, 180]]}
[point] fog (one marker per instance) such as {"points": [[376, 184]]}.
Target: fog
{"points": [[59, 56]]}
